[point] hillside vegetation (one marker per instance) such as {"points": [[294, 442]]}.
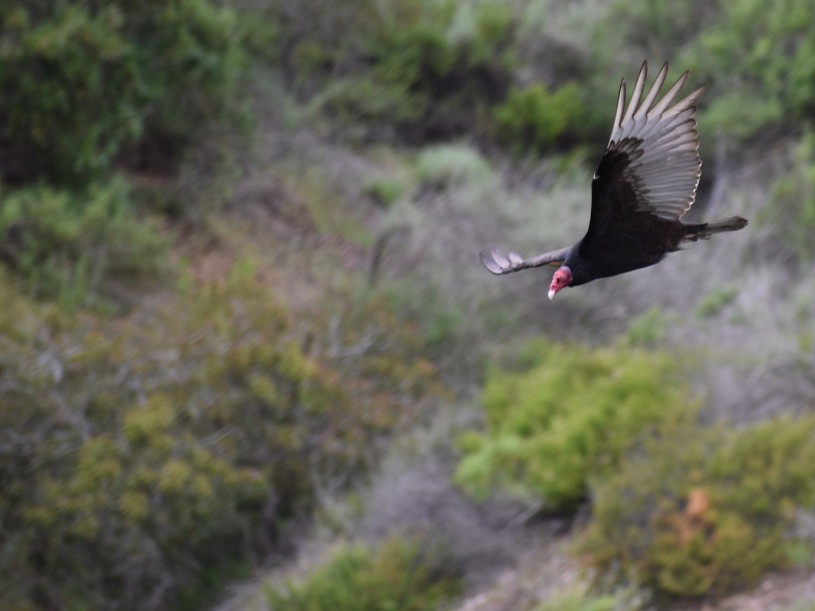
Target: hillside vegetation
{"points": [[244, 324]]}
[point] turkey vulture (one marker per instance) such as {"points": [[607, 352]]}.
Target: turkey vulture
{"points": [[645, 183]]}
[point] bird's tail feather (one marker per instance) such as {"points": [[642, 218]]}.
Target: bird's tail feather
{"points": [[703, 231]]}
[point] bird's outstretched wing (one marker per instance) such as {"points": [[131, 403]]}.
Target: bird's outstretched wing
{"points": [[652, 161], [499, 263]]}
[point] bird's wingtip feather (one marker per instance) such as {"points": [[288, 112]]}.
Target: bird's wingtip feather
{"points": [[491, 264], [500, 258]]}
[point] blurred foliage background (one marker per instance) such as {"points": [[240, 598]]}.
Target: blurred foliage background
{"points": [[246, 337]]}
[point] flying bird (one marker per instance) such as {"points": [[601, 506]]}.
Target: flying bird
{"points": [[644, 185]]}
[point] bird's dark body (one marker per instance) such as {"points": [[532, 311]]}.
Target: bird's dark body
{"points": [[587, 265], [644, 185], [623, 235]]}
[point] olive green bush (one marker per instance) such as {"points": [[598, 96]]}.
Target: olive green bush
{"points": [[88, 94], [84, 85], [706, 511], [654, 31], [761, 60], [533, 119], [398, 574], [417, 71], [565, 415], [72, 247], [757, 59], [581, 598], [147, 459], [448, 166], [446, 76], [154, 514]]}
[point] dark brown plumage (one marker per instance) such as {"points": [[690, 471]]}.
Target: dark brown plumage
{"points": [[644, 185]]}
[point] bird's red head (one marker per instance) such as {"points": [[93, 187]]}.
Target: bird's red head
{"points": [[561, 279]]}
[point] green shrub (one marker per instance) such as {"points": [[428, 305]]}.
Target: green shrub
{"points": [[71, 246], [81, 86], [581, 598], [451, 78], [716, 301], [534, 119], [396, 575], [705, 511], [740, 115], [137, 507], [385, 190], [313, 39], [414, 70], [648, 330], [450, 165], [567, 414], [145, 460], [761, 61], [757, 59], [658, 30]]}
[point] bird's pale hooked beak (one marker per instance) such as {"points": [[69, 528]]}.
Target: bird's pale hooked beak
{"points": [[561, 279]]}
